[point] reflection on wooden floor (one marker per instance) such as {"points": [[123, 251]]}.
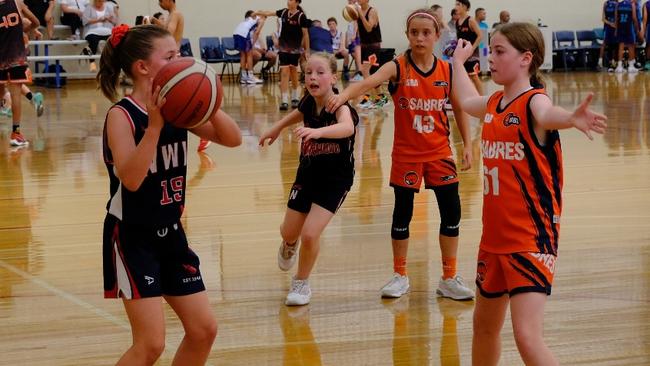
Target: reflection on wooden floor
{"points": [[52, 198]]}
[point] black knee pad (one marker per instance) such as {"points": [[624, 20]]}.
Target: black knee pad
{"points": [[449, 207], [402, 213]]}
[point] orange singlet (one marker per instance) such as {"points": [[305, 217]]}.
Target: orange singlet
{"points": [[421, 123], [522, 180]]}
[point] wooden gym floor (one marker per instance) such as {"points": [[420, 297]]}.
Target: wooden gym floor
{"points": [[52, 198]]}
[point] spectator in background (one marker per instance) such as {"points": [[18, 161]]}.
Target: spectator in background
{"points": [[339, 43], [245, 35], [447, 34], [260, 52], [71, 13], [98, 21], [43, 10], [504, 17], [115, 7], [480, 15], [319, 38], [174, 22], [452, 22]]}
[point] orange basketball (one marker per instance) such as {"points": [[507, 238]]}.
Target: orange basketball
{"points": [[192, 89], [350, 13]]}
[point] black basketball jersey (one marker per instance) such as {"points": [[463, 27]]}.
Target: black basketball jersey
{"points": [[290, 39], [160, 199], [12, 46], [365, 37], [464, 31], [324, 159]]}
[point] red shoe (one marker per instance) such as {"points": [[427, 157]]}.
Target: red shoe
{"points": [[203, 145], [17, 139]]}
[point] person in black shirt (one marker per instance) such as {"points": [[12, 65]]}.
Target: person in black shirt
{"points": [[324, 175], [468, 29], [43, 10], [14, 71], [146, 256], [294, 40]]}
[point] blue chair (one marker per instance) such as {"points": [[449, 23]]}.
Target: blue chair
{"points": [[186, 48], [588, 47], [565, 47], [211, 51], [230, 54], [600, 35]]}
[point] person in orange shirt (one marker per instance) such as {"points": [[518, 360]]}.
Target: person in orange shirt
{"points": [[522, 202], [420, 85]]}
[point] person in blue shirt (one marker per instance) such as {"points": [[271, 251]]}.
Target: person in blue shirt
{"points": [[320, 39], [627, 29], [609, 29]]}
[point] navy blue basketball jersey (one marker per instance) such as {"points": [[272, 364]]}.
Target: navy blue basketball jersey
{"points": [[609, 8], [12, 47], [160, 199], [625, 9]]}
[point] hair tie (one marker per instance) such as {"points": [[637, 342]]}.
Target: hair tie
{"points": [[422, 14], [117, 34]]}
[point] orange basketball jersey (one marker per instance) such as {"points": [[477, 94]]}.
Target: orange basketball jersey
{"points": [[522, 180], [421, 123]]}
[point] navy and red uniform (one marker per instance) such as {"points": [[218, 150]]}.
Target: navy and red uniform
{"points": [[326, 169], [522, 200], [609, 10], [464, 31], [290, 40], [370, 41], [13, 55], [625, 25], [145, 249]]}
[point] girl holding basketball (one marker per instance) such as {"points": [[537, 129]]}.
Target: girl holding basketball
{"points": [[420, 85], [324, 175], [145, 250], [522, 202]]}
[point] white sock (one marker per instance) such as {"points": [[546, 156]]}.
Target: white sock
{"points": [[620, 63], [600, 62], [295, 94], [285, 98]]}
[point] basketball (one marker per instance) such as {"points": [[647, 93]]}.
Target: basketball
{"points": [[192, 90], [350, 13]]}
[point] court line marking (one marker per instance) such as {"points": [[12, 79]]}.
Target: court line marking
{"points": [[75, 300]]}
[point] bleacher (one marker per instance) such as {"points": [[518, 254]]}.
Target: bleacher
{"points": [[64, 52]]}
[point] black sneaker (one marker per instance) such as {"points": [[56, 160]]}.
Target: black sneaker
{"points": [[294, 103], [284, 106]]}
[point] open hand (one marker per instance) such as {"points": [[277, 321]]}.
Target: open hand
{"points": [[586, 120]]}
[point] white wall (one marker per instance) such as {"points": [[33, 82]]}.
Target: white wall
{"points": [[219, 17]]}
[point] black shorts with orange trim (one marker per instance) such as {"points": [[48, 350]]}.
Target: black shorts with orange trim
{"points": [[16, 75], [515, 273], [142, 262], [434, 173]]}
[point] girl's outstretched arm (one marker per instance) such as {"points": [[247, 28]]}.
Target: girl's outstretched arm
{"points": [[466, 95], [550, 117], [272, 133], [221, 129]]}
